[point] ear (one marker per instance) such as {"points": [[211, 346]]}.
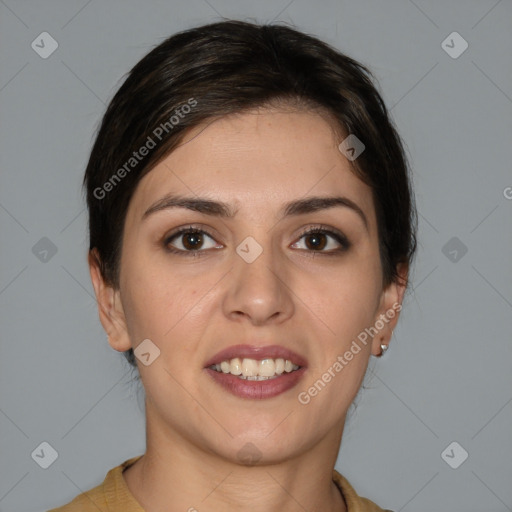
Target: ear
{"points": [[110, 308], [389, 310]]}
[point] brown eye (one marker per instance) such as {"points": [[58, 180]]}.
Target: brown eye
{"points": [[192, 241], [322, 240], [316, 241], [189, 240]]}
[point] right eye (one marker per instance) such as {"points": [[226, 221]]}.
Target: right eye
{"points": [[189, 240]]}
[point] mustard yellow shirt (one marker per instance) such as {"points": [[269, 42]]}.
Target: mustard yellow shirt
{"points": [[113, 495]]}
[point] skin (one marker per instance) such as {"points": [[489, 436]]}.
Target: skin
{"points": [[293, 294]]}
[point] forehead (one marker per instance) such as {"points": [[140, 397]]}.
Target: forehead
{"points": [[256, 160]]}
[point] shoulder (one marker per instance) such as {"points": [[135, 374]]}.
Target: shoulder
{"points": [[111, 492], [355, 503]]}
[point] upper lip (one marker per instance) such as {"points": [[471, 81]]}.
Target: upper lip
{"points": [[256, 352]]}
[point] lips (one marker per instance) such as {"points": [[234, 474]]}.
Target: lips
{"points": [[256, 389]]}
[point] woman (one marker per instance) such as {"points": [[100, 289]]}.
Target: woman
{"points": [[251, 230]]}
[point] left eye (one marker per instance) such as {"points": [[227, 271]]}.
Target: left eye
{"points": [[320, 240]]}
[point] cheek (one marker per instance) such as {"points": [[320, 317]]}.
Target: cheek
{"points": [[151, 299], [347, 299], [164, 305], [347, 308]]}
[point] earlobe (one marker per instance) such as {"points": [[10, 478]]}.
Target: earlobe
{"points": [[389, 312], [110, 308]]}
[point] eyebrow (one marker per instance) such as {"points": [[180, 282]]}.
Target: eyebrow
{"points": [[224, 210]]}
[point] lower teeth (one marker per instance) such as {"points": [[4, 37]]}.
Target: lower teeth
{"points": [[256, 378]]}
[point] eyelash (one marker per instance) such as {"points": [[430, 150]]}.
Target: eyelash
{"points": [[337, 235]]}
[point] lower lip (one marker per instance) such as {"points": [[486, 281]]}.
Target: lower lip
{"points": [[257, 389]]}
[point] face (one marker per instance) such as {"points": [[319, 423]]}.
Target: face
{"points": [[251, 244]]}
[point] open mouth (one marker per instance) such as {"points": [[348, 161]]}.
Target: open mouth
{"points": [[256, 372]]}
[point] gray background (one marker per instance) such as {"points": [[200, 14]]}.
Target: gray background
{"points": [[447, 376]]}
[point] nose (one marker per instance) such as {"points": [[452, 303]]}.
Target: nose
{"points": [[259, 291]]}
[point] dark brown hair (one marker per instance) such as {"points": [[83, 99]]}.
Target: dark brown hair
{"points": [[231, 67]]}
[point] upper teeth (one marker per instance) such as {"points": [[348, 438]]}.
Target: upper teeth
{"points": [[247, 368]]}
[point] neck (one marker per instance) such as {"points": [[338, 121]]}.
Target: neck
{"points": [[176, 475]]}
